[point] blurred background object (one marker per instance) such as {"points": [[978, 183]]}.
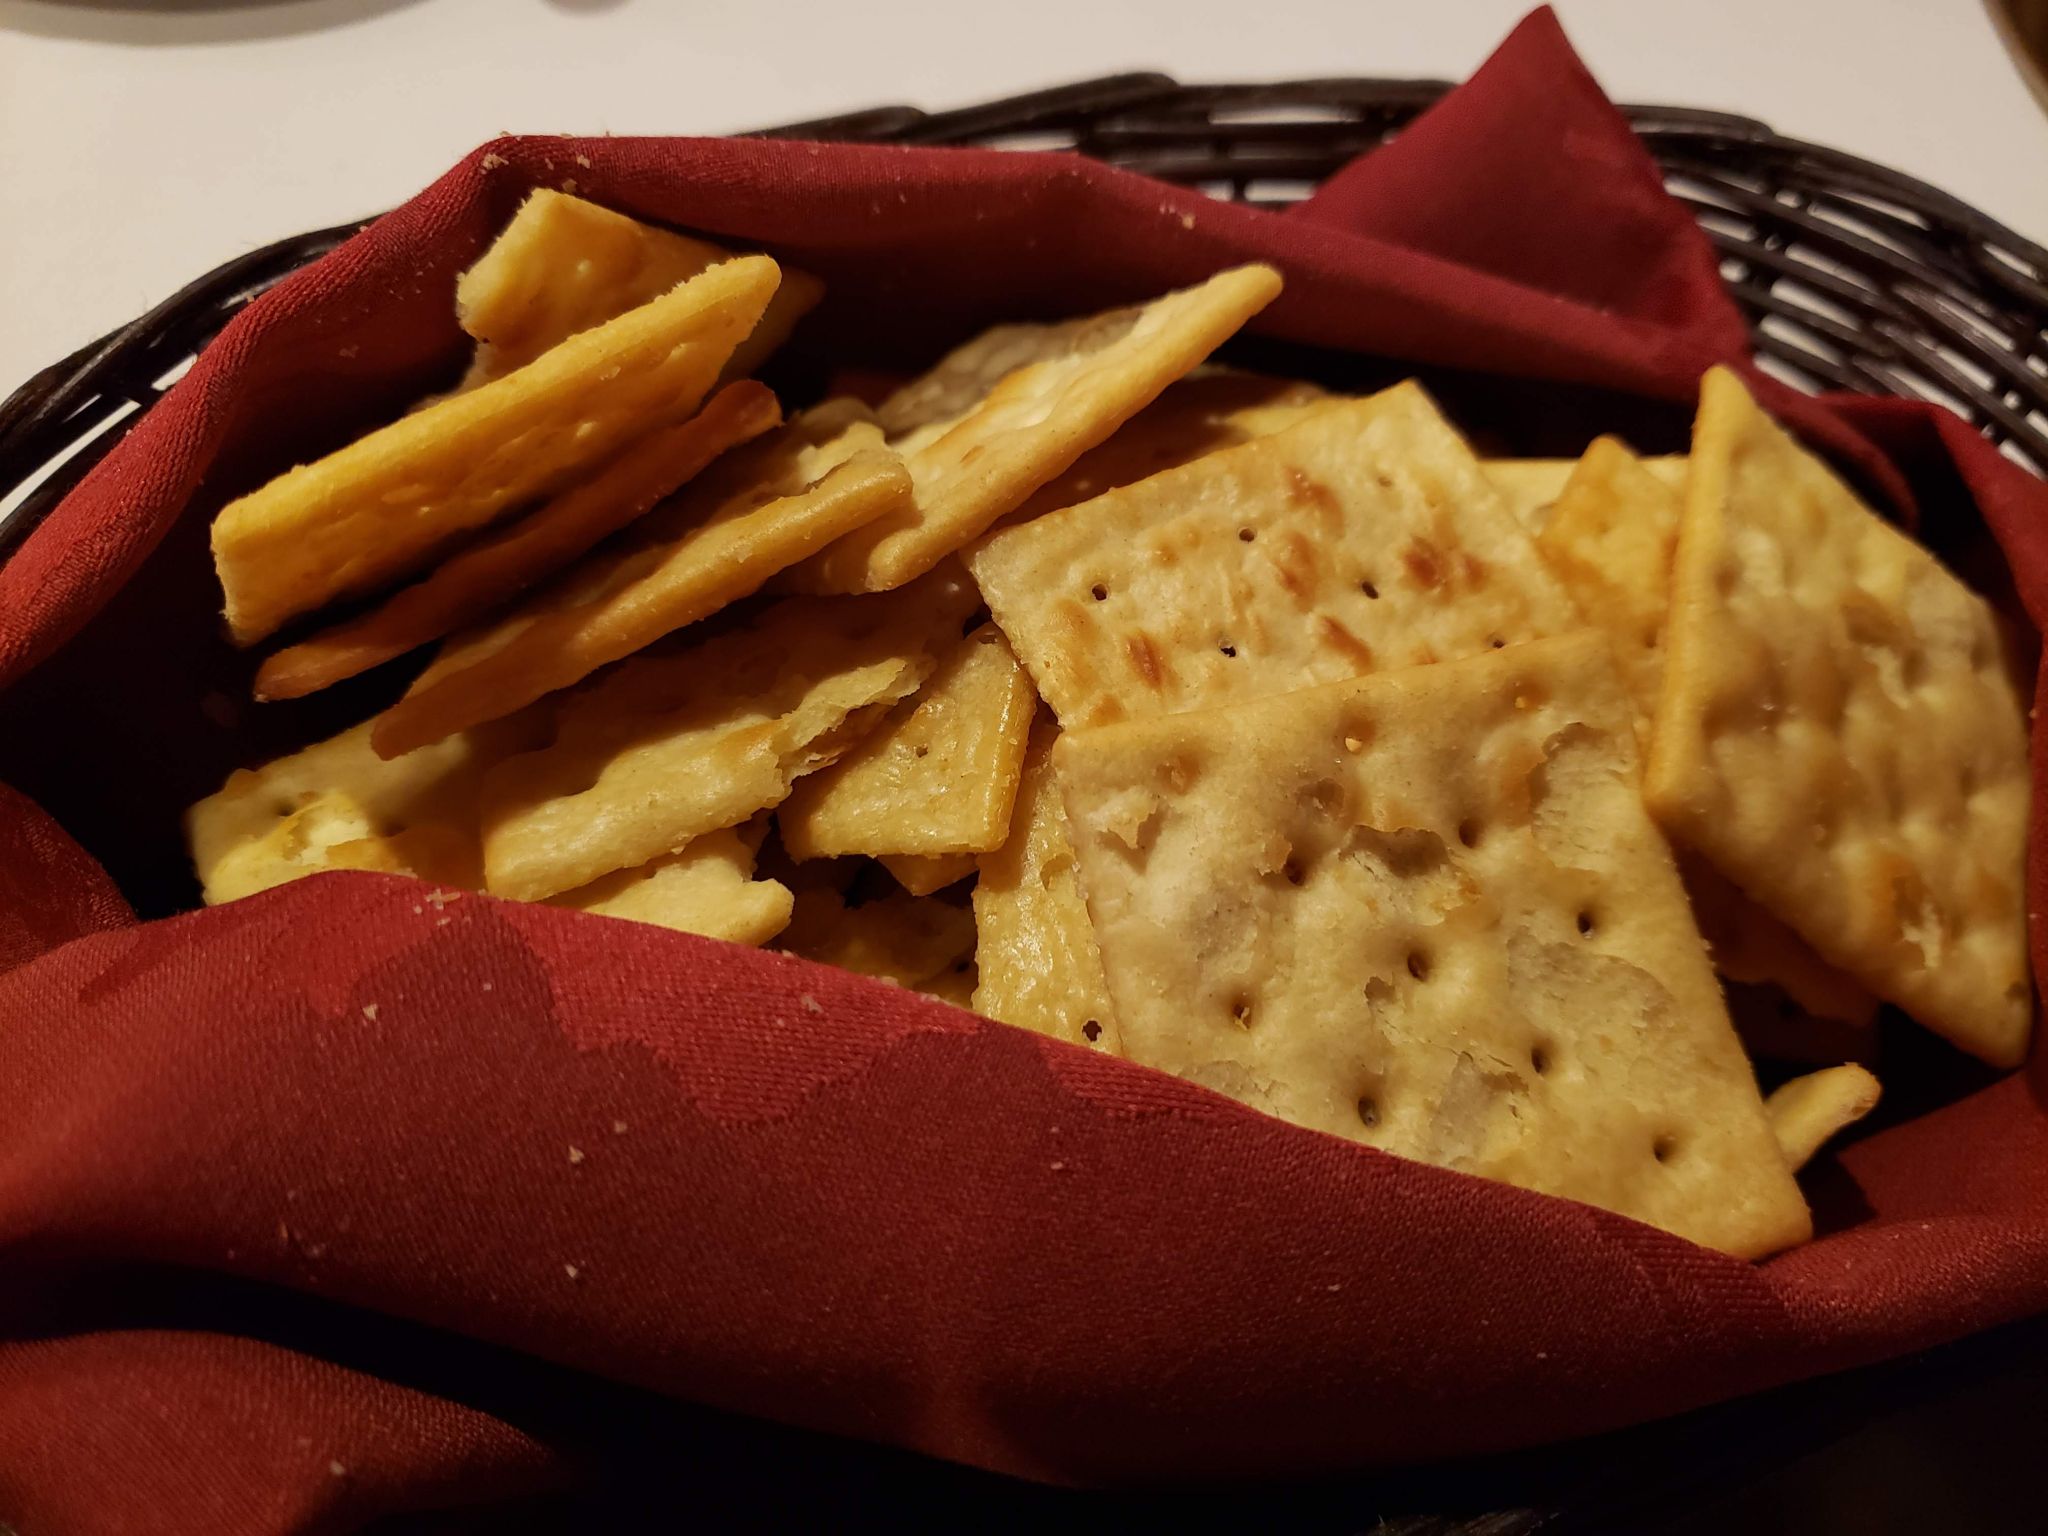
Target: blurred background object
{"points": [[2024, 25]]}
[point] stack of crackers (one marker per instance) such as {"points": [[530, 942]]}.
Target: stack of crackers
{"points": [[1256, 734]]}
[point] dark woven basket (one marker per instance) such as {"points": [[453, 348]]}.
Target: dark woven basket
{"points": [[1853, 276]]}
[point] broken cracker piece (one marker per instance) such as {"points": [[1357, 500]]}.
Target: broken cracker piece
{"points": [[922, 873], [1808, 1111], [1530, 487], [337, 805], [681, 741], [939, 776], [708, 888], [1038, 964]]}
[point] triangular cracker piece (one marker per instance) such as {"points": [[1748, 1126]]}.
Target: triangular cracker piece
{"points": [[747, 517], [922, 873], [1426, 910], [1365, 537], [1808, 1111], [937, 777], [708, 888], [1841, 735], [680, 742], [384, 505], [564, 265], [504, 562], [1033, 420], [1039, 968], [1610, 538], [1530, 487], [337, 805]]}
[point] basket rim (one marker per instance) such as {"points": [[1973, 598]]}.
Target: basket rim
{"points": [[66, 416]]}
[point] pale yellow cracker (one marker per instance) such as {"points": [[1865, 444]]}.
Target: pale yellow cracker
{"points": [[1363, 538], [1033, 422], [708, 888], [911, 940], [1426, 910], [388, 502], [937, 777], [1807, 1111], [505, 561], [1841, 735], [1530, 487], [747, 517], [922, 873], [564, 265], [337, 805], [963, 378], [1038, 965], [679, 742], [1610, 539], [1211, 408]]}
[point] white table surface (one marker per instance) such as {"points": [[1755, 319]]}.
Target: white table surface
{"points": [[144, 141]]}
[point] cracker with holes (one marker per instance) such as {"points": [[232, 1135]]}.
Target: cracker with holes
{"points": [[917, 942], [682, 741], [564, 265], [391, 501], [337, 805], [504, 562], [1840, 732], [1039, 967], [938, 777], [1363, 538], [752, 514], [1808, 1112], [1011, 417], [1426, 910], [708, 888], [1610, 539]]}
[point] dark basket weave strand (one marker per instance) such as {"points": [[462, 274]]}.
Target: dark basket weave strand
{"points": [[1853, 276]]}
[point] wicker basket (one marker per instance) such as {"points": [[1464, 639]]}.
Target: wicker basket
{"points": [[1852, 276]]}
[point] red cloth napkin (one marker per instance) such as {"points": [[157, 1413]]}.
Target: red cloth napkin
{"points": [[321, 1205]]}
